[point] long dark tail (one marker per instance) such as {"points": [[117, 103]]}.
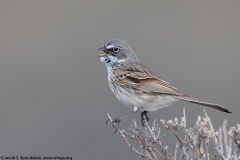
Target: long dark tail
{"points": [[196, 101]]}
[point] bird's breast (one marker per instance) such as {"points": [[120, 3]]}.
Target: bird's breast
{"points": [[132, 97]]}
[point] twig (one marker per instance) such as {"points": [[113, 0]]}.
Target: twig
{"points": [[220, 153], [123, 135], [152, 143]]}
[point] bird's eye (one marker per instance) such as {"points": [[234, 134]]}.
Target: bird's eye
{"points": [[116, 49]]}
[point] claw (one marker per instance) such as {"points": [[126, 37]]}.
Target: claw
{"points": [[116, 130], [144, 115], [115, 123], [107, 121]]}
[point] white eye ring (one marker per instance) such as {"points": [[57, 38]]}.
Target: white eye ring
{"points": [[116, 49]]}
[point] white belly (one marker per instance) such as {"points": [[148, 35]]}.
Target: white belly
{"points": [[136, 100]]}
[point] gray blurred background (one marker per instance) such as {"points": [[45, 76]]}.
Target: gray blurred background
{"points": [[54, 94]]}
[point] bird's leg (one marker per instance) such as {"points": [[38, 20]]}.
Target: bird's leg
{"points": [[116, 121], [144, 114]]}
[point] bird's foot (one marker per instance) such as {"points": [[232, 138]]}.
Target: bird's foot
{"points": [[115, 123], [144, 116]]}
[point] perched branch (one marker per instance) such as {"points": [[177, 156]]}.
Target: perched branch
{"points": [[193, 145], [234, 133]]}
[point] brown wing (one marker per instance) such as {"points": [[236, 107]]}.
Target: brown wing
{"points": [[137, 76]]}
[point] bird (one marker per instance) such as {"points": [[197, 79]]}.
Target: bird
{"points": [[136, 86]]}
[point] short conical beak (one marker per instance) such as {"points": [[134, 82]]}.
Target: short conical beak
{"points": [[105, 51]]}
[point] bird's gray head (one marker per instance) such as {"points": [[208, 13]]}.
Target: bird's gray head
{"points": [[117, 52]]}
